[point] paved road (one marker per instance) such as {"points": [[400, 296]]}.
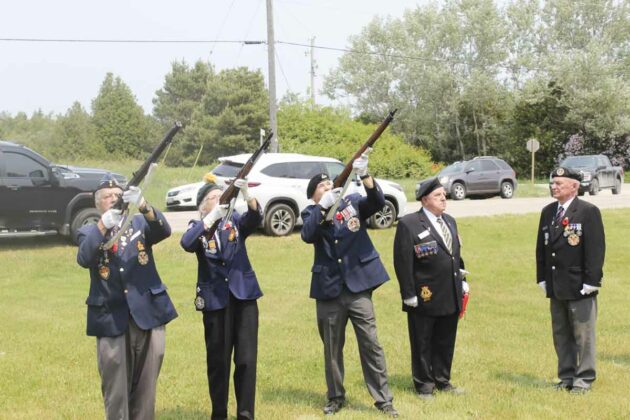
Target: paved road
{"points": [[469, 207]]}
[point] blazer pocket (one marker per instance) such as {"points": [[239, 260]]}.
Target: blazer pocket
{"points": [[369, 257], [95, 301], [159, 289], [575, 269]]}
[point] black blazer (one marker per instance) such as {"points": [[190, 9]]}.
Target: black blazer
{"points": [[571, 254], [424, 266]]}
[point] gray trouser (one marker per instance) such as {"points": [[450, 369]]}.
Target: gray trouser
{"points": [[129, 365], [573, 325], [332, 317]]}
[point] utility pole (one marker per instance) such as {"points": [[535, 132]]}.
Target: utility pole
{"points": [[271, 61], [313, 70]]}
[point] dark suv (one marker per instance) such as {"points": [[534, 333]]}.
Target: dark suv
{"points": [[484, 175], [41, 198]]}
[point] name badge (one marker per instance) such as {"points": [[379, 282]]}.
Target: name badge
{"points": [[424, 234]]}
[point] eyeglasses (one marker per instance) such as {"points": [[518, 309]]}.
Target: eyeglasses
{"points": [[326, 183], [111, 195]]}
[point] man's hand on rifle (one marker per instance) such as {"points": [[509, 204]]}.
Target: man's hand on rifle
{"points": [[111, 218], [329, 198], [133, 196], [241, 184], [217, 213], [360, 165]]}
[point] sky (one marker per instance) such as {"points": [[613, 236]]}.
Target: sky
{"points": [[51, 76]]}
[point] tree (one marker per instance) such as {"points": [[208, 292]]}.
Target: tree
{"points": [[118, 120], [75, 136]]}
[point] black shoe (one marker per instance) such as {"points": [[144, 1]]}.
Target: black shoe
{"points": [[425, 396], [450, 389], [388, 409], [562, 386], [333, 405]]}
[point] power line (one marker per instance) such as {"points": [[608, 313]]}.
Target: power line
{"points": [[131, 41]]}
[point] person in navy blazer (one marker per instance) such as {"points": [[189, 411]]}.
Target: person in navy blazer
{"points": [[570, 251], [429, 268], [227, 289], [345, 271], [128, 305]]}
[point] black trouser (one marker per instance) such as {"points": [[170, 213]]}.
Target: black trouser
{"points": [[234, 327], [432, 345]]}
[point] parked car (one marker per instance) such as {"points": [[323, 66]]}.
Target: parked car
{"points": [[41, 198], [483, 175], [279, 181], [597, 173]]}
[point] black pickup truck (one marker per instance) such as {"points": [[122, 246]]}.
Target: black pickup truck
{"points": [[41, 198], [597, 173]]}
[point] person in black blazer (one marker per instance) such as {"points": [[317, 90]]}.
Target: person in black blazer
{"points": [[570, 251], [128, 306], [429, 270], [227, 293], [345, 271]]}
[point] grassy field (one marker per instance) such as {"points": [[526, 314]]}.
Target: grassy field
{"points": [[504, 354]]}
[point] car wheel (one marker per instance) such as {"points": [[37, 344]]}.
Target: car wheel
{"points": [[594, 187], [279, 220], [458, 191], [507, 189], [83, 217], [384, 218], [580, 193], [617, 188]]}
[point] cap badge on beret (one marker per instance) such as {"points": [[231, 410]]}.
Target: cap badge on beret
{"points": [[560, 171]]}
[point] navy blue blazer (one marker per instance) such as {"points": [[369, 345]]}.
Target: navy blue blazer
{"points": [[224, 267], [344, 253], [125, 282]]}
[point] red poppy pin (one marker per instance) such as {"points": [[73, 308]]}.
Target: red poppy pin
{"points": [[339, 216], [565, 221]]}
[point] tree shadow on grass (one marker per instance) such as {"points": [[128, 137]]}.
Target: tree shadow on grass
{"points": [[401, 383], [617, 359], [522, 379], [310, 400]]}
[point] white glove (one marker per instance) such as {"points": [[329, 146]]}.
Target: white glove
{"points": [[360, 165], [329, 198], [587, 289], [543, 285], [241, 184], [111, 218], [133, 196], [218, 212], [465, 286], [413, 302]]}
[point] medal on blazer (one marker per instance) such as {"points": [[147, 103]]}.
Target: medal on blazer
{"points": [[211, 246], [103, 271], [573, 239], [103, 267], [354, 224], [232, 235], [143, 257], [199, 303], [425, 293]]}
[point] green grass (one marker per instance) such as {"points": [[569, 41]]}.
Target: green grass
{"points": [[504, 355]]}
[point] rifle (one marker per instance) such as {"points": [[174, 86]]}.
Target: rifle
{"points": [[344, 176], [231, 192], [145, 169]]}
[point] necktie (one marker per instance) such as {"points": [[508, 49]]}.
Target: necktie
{"points": [[448, 239], [559, 215]]}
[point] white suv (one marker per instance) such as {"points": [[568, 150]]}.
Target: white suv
{"points": [[279, 181]]}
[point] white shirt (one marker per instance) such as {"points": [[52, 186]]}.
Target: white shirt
{"points": [[433, 219], [565, 206]]}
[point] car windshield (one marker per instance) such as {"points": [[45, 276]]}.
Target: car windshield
{"points": [[227, 169], [453, 168], [578, 161]]}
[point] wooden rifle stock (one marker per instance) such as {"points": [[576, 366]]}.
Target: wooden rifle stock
{"points": [[343, 176], [231, 192]]}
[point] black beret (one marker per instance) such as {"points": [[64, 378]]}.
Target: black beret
{"points": [[210, 184], [108, 181], [567, 173], [312, 184], [427, 187]]}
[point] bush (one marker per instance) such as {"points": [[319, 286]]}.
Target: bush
{"points": [[326, 131]]}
